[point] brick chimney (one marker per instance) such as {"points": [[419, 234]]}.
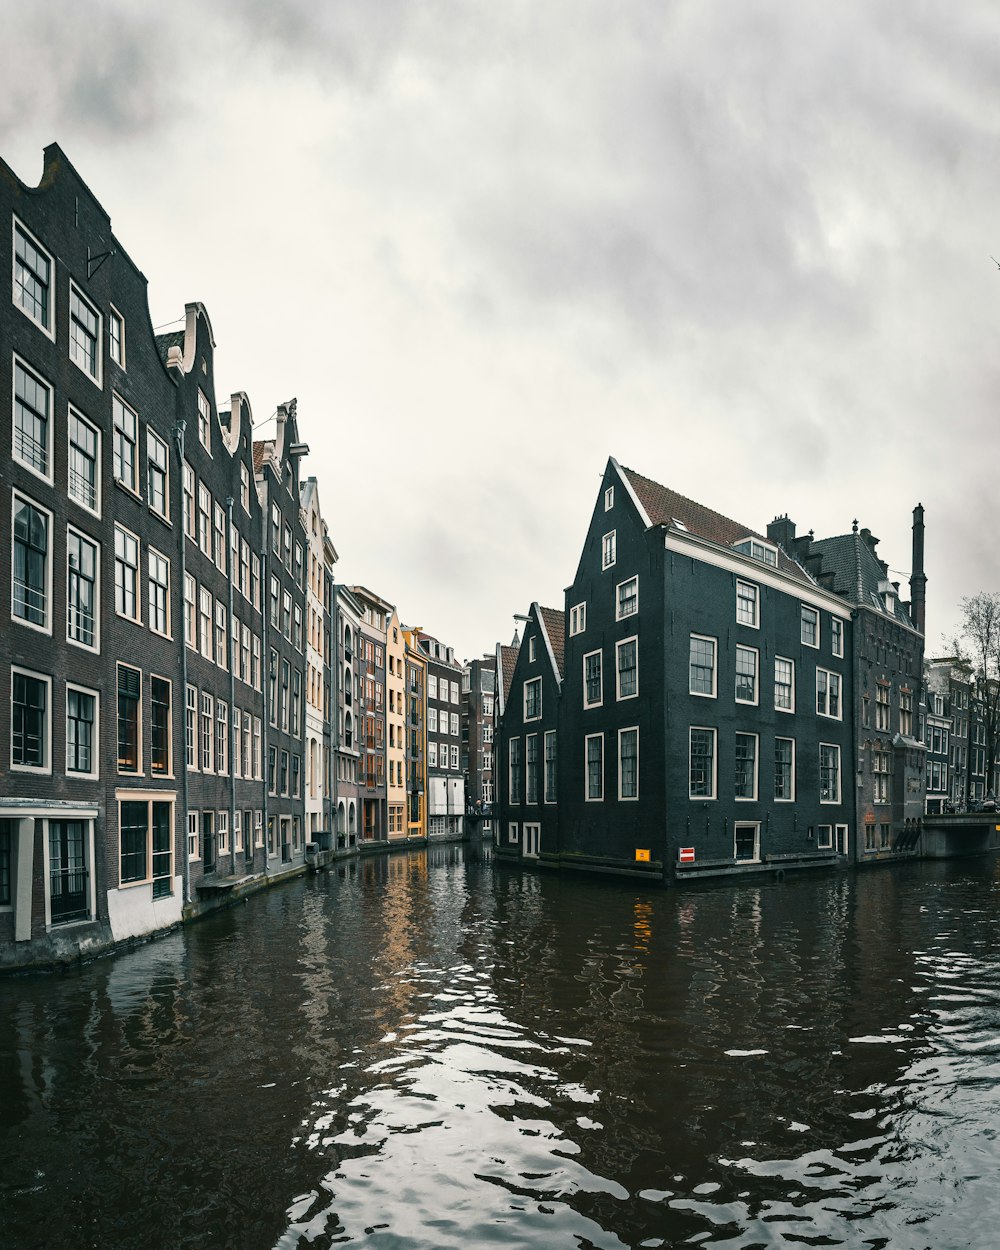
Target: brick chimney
{"points": [[782, 532], [918, 579]]}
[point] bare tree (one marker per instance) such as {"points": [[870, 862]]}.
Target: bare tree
{"points": [[978, 644]]}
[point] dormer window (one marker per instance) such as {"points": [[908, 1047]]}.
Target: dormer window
{"points": [[758, 550]]}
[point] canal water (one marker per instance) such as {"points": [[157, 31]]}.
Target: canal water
{"points": [[434, 1051]]}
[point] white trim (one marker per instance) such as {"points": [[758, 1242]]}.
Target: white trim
{"points": [[749, 798], [532, 839], [624, 616], [791, 798], [829, 672], [137, 619], [95, 648], [586, 766], [755, 623], [599, 702], [512, 835], [701, 694], [16, 494], [73, 411], [785, 710], [693, 547], [630, 798], [756, 677], [619, 697], [115, 315], [50, 433], [705, 798], [824, 843], [605, 563], [803, 608], [840, 776], [98, 378], [95, 739], [748, 824], [50, 330], [643, 514], [578, 614], [540, 621], [609, 498], [46, 768]]}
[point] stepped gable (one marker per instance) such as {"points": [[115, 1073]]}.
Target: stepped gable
{"points": [[666, 507], [555, 626]]}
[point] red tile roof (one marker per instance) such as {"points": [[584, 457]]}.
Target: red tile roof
{"points": [[508, 661], [259, 451], [555, 627], [666, 507]]}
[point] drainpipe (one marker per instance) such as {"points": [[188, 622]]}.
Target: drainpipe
{"points": [[232, 696], [179, 442]]}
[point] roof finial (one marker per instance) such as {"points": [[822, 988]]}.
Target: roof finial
{"points": [[854, 526]]}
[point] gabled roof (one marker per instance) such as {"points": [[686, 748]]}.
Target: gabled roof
{"points": [[508, 662], [857, 572], [667, 507], [554, 623]]}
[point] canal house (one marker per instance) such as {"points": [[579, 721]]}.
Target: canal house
{"points": [[705, 718]]}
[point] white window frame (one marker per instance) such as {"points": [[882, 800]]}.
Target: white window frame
{"points": [[791, 663], [151, 554], [619, 614], [549, 733], [840, 775], [151, 435], [790, 798], [137, 619], [95, 647], [619, 697], [824, 841], [577, 619], [747, 824], [609, 549], [98, 377], [46, 768], [49, 330], [588, 738], [532, 681], [50, 442], [628, 798], [609, 498], [745, 585], [46, 627], [748, 798], [204, 421], [704, 694], [71, 412], [756, 677], [115, 317], [705, 798], [804, 608], [95, 771], [512, 834], [823, 711], [133, 486], [194, 836], [837, 637], [598, 702], [531, 650]]}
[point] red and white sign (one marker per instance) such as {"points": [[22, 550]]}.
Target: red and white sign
{"points": [[686, 854]]}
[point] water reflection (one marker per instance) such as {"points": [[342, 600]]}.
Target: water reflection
{"points": [[421, 1051]]}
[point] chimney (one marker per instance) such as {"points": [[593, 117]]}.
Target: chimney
{"points": [[782, 532], [918, 579]]}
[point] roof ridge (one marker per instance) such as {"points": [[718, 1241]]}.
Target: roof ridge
{"points": [[751, 533]]}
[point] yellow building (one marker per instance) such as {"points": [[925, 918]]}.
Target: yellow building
{"points": [[416, 735]]}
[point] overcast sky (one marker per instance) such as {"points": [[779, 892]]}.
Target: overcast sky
{"points": [[743, 247]]}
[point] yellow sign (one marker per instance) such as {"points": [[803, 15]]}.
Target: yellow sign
{"points": [[642, 857]]}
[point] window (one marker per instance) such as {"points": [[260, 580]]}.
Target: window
{"points": [[701, 666], [828, 694], [881, 769], [824, 838], [763, 552], [432, 686], [84, 481], [159, 702], [245, 570], [81, 731], [219, 534], [628, 599], [84, 335], [146, 835], [193, 836], [609, 549], [906, 713], [701, 764], [189, 610], [205, 519], [454, 720], [190, 520], [297, 701], [204, 421], [296, 775], [628, 763], [882, 707], [784, 770], [125, 461], [594, 757], [286, 675], [746, 842], [432, 759], [220, 634], [784, 684], [286, 615], [884, 836], [116, 336], [157, 474], [746, 674], [747, 604], [32, 421], [829, 773], [69, 896], [515, 783], [577, 619], [609, 499], [286, 545], [129, 721], [531, 649], [550, 766], [593, 694], [190, 728], [532, 699], [205, 622], [531, 767], [454, 692], [159, 593], [221, 736], [244, 486], [207, 726], [809, 619], [746, 766], [33, 279], [30, 581], [222, 829], [30, 738], [512, 831], [126, 574], [627, 668], [836, 636], [432, 720], [81, 590]]}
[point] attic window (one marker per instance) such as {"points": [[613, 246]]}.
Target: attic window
{"points": [[680, 524], [756, 550]]}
